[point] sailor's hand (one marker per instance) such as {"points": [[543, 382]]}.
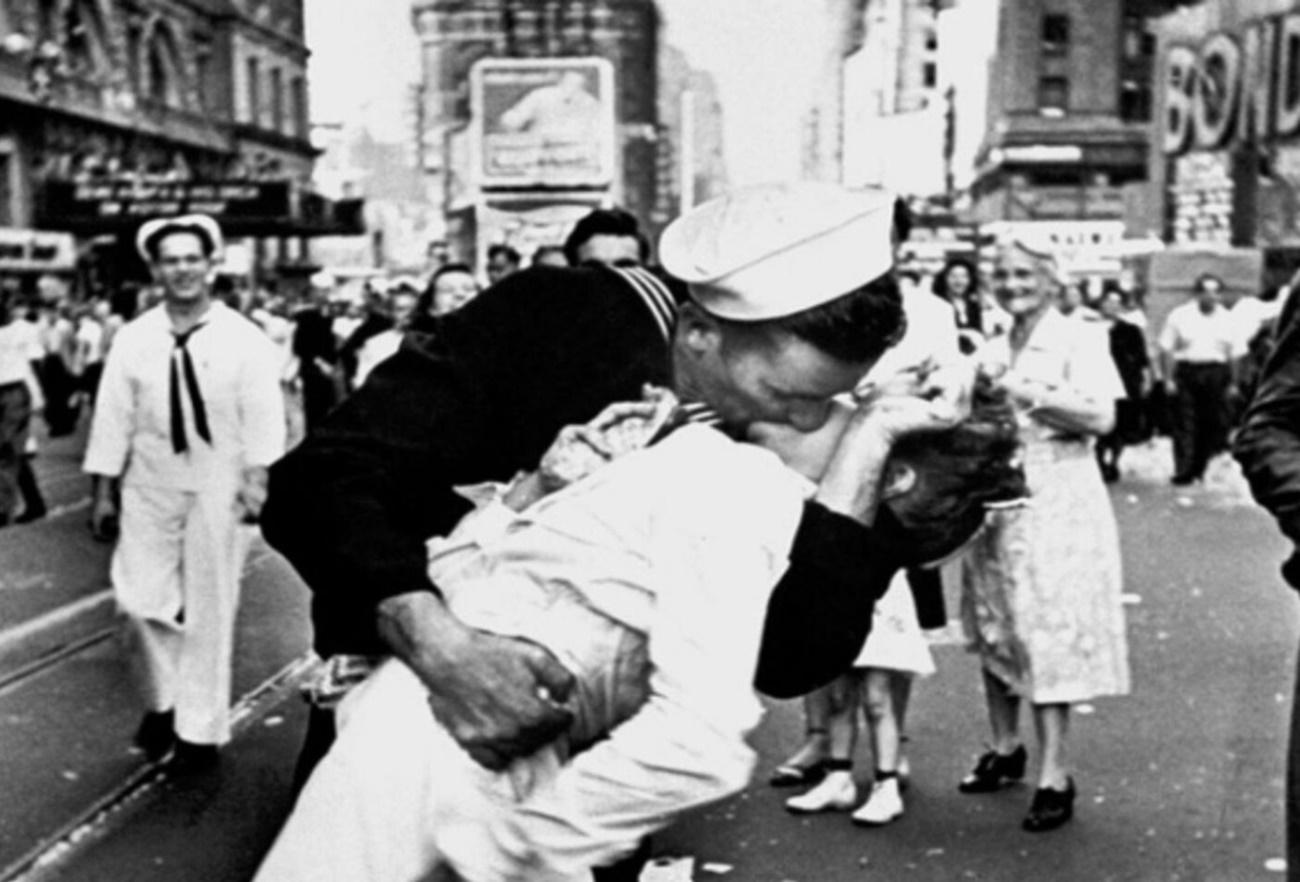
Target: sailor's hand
{"points": [[103, 519], [500, 697]]}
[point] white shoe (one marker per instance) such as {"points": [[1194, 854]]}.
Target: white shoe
{"points": [[885, 804], [836, 793]]}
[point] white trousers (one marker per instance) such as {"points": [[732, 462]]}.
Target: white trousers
{"points": [[396, 797], [175, 574]]}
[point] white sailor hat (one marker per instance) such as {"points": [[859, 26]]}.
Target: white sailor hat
{"points": [[199, 224], [776, 249]]}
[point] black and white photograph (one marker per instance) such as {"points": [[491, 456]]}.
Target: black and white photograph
{"points": [[649, 440]]}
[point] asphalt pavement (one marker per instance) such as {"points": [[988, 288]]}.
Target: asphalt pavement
{"points": [[1182, 780]]}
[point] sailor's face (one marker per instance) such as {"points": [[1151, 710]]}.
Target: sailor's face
{"points": [[182, 267], [774, 377]]}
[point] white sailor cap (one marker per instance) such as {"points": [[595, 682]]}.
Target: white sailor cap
{"points": [[199, 224], [777, 249]]}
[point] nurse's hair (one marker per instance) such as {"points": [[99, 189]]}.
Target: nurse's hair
{"points": [[963, 471], [1044, 257]]}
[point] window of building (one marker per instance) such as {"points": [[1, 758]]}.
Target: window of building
{"points": [[1056, 33], [83, 38], [929, 74], [1053, 95], [1134, 101], [162, 70], [276, 86], [298, 106], [6, 190], [203, 71], [931, 41], [253, 73]]}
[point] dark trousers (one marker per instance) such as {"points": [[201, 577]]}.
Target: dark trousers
{"points": [[320, 735], [1200, 427], [15, 416]]}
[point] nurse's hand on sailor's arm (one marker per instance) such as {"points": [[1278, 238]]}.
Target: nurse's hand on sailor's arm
{"points": [[579, 450]]}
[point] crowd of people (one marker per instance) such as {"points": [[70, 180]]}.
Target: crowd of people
{"points": [[763, 466]]}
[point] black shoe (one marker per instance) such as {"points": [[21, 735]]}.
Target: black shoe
{"points": [[193, 758], [1050, 808], [790, 775], [1110, 473], [157, 734], [31, 514], [993, 771]]}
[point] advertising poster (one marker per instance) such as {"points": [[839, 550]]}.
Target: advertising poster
{"points": [[542, 122]]}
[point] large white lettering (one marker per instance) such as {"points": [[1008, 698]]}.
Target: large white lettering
{"points": [[1242, 86], [1217, 89], [1180, 80]]}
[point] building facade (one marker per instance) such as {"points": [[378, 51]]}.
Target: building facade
{"points": [[114, 111], [895, 108], [536, 112], [1069, 112]]}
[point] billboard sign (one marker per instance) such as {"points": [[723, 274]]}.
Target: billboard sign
{"points": [[545, 122]]}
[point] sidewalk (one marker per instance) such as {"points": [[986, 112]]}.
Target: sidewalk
{"points": [[68, 732]]}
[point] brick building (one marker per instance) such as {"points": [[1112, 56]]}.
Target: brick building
{"points": [[1069, 113], [607, 47], [112, 111]]}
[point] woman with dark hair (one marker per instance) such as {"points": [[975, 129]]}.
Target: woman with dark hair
{"points": [[450, 288], [1128, 349], [958, 283]]}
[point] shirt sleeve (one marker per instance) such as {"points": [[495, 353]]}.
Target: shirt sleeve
{"points": [[1091, 369], [113, 422], [261, 404], [686, 746]]}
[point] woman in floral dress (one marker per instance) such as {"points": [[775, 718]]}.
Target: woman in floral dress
{"points": [[1041, 587]]}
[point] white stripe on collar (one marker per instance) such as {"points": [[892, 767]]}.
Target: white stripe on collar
{"points": [[655, 294], [699, 412]]}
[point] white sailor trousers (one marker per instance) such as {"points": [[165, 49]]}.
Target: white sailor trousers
{"points": [[175, 573]]}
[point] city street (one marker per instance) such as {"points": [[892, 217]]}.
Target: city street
{"points": [[1180, 781]]}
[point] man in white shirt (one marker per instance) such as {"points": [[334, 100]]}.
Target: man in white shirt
{"points": [[20, 397], [189, 417], [649, 578], [1200, 346]]}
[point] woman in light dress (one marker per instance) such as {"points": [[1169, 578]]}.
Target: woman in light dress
{"points": [[1041, 587]]}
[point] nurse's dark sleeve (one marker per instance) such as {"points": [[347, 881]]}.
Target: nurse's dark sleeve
{"points": [[820, 612]]}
